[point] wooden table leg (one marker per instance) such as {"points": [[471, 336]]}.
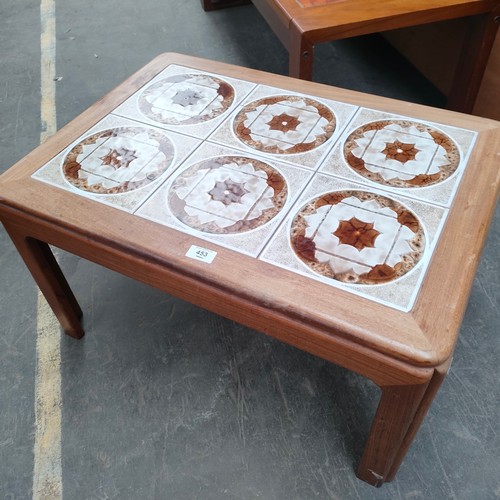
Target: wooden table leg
{"points": [[477, 45], [42, 264], [395, 414], [300, 54], [221, 4], [432, 389]]}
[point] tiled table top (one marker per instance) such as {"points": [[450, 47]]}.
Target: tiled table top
{"points": [[349, 196]]}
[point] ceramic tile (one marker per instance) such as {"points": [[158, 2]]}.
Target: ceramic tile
{"points": [[414, 158], [185, 100], [364, 241], [232, 199], [352, 197], [118, 162], [292, 127]]}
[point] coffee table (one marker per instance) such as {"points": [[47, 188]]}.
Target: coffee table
{"points": [[347, 225], [301, 24]]}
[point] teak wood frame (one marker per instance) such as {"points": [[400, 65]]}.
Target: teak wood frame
{"points": [[406, 354], [300, 28]]}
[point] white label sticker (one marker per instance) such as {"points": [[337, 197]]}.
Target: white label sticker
{"points": [[199, 253]]}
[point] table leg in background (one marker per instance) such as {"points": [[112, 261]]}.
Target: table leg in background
{"points": [[476, 49], [300, 54], [220, 4]]}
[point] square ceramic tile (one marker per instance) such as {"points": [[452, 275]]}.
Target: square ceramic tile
{"points": [[185, 100], [413, 158], [291, 127], [118, 162], [360, 240], [226, 197]]}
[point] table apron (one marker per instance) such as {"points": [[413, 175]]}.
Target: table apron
{"points": [[278, 323]]}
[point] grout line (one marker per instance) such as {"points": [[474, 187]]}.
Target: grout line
{"points": [[47, 474]]}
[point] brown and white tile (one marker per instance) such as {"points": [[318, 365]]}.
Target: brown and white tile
{"points": [[118, 162], [232, 199], [292, 127], [185, 100], [361, 240], [414, 158]]}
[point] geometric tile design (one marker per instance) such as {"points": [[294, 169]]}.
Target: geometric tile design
{"points": [[357, 237], [228, 194], [186, 99], [118, 160], [352, 197], [401, 153], [284, 124]]}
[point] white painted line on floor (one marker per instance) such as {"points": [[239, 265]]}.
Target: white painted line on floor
{"points": [[48, 68], [47, 480], [47, 475]]}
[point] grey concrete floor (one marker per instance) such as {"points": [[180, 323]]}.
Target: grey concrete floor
{"points": [[164, 400]]}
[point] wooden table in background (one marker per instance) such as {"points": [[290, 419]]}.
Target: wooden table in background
{"points": [[301, 24], [405, 352]]}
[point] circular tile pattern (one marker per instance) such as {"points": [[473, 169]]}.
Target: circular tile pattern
{"points": [[357, 237], [401, 153], [186, 99], [284, 124], [228, 194], [118, 160]]}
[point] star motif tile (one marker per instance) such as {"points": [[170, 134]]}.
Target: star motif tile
{"points": [[401, 154], [357, 237], [284, 124], [227, 194], [118, 160]]}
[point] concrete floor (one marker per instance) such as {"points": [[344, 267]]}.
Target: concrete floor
{"points": [[164, 400]]}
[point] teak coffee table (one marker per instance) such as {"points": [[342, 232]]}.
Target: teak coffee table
{"points": [[347, 225], [302, 24]]}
